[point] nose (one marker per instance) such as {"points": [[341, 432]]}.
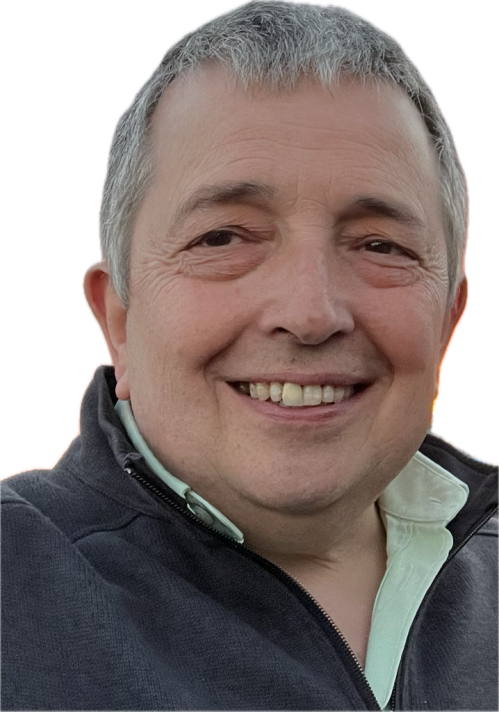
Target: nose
{"points": [[308, 296]]}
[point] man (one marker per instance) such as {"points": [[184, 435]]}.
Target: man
{"points": [[253, 516]]}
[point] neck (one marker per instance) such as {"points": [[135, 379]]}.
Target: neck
{"points": [[351, 539]]}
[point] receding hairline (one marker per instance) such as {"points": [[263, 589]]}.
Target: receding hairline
{"points": [[172, 97], [261, 87]]}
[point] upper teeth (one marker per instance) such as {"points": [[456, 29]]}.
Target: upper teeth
{"points": [[292, 394]]}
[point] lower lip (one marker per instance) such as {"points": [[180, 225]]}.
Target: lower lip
{"points": [[301, 414]]}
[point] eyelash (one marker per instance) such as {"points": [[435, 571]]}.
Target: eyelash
{"points": [[381, 242], [213, 233], [404, 252]]}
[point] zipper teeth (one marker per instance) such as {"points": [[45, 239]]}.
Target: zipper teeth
{"points": [[185, 512], [478, 526], [472, 533]]}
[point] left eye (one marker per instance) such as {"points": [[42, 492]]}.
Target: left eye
{"points": [[218, 238], [385, 247]]}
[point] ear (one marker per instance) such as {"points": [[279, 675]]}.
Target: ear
{"points": [[452, 321], [453, 314], [111, 315]]}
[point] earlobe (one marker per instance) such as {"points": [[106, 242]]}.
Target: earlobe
{"points": [[111, 315]]}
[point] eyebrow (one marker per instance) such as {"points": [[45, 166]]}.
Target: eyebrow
{"points": [[230, 193], [254, 193], [366, 206]]}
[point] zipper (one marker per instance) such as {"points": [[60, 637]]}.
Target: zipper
{"points": [[478, 526], [451, 555], [269, 564]]}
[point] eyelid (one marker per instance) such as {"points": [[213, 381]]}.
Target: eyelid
{"points": [[229, 229], [403, 250]]}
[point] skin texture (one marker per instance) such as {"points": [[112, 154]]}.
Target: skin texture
{"points": [[302, 283]]}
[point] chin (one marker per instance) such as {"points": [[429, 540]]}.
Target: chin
{"points": [[295, 500]]}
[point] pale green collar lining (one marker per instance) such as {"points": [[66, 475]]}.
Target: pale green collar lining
{"points": [[415, 508], [424, 492]]}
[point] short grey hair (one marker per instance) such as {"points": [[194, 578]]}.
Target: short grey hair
{"points": [[274, 44]]}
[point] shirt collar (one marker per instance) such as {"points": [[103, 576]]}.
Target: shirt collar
{"points": [[424, 492]]}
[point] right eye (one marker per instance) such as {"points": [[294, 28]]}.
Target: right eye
{"points": [[218, 238]]}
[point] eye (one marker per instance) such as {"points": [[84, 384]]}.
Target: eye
{"points": [[218, 238], [385, 247]]}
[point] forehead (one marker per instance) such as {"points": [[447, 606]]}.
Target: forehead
{"points": [[309, 141]]}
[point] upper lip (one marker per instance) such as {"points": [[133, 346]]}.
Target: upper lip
{"points": [[304, 379]]}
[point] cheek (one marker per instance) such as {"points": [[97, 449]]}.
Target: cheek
{"points": [[189, 322], [405, 324]]}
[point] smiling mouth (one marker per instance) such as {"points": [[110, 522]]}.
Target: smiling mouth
{"points": [[294, 395]]}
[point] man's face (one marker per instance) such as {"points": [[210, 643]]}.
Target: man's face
{"points": [[287, 237]]}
